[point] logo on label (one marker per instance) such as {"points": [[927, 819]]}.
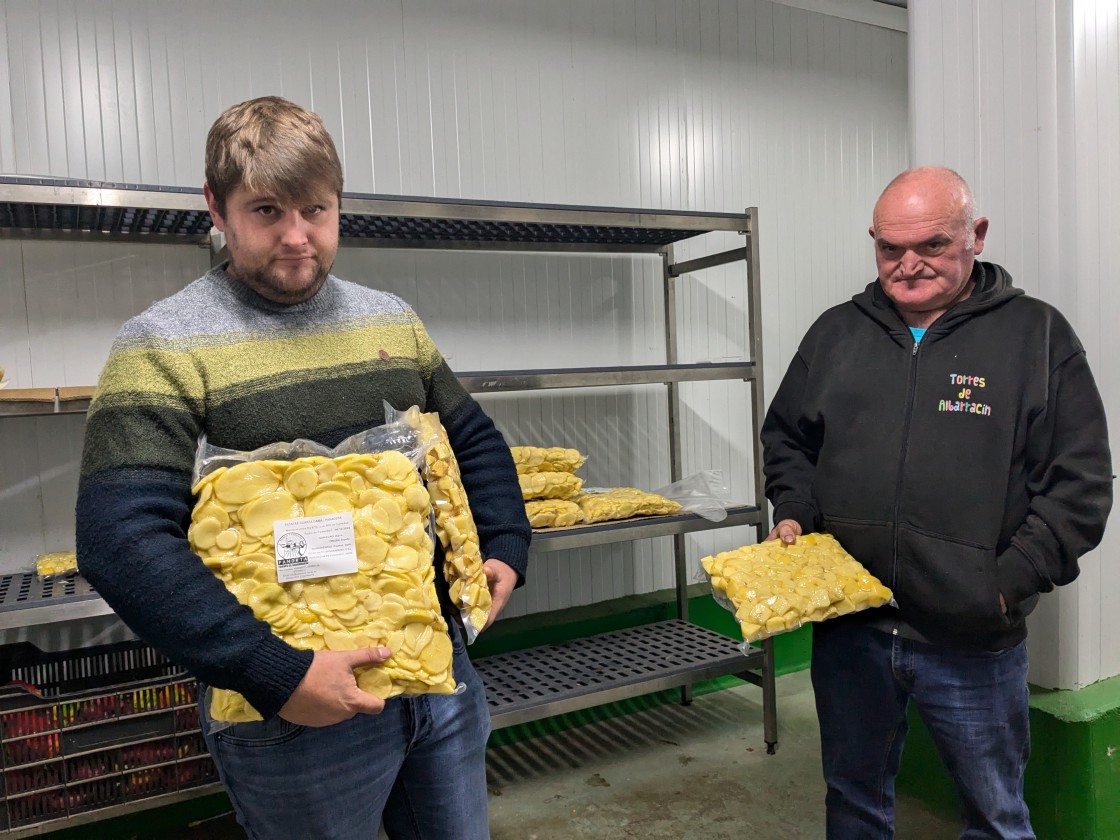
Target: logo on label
{"points": [[291, 550], [967, 396]]}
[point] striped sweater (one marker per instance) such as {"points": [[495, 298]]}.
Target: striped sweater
{"points": [[219, 359]]}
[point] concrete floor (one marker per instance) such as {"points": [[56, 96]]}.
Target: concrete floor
{"points": [[681, 773], [669, 773]]}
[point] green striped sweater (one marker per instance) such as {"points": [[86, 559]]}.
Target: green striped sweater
{"points": [[219, 359]]}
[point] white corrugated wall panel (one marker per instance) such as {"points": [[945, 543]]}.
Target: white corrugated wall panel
{"points": [[1096, 156], [1023, 98], [710, 105]]}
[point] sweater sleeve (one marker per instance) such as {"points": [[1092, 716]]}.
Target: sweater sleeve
{"points": [[485, 462], [134, 504], [791, 442], [1069, 483]]}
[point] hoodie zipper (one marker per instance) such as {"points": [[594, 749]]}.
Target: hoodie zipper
{"points": [[911, 392]]}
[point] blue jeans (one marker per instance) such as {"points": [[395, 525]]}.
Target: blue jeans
{"points": [[974, 705], [419, 766]]}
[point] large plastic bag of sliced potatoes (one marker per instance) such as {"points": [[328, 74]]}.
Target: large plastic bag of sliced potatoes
{"points": [[332, 547], [774, 586]]}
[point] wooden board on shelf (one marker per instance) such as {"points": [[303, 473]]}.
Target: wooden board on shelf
{"points": [[28, 394]]}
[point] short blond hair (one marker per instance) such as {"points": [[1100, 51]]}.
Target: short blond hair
{"points": [[273, 146]]}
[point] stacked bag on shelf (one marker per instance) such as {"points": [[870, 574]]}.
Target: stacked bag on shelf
{"points": [[554, 495], [549, 484]]}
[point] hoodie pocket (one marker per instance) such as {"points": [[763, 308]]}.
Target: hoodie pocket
{"points": [[868, 541], [947, 587]]}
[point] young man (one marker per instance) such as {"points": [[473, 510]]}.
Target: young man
{"points": [[947, 430], [271, 347]]}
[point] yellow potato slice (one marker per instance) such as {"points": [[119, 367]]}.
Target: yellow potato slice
{"points": [[338, 602], [258, 516], [202, 511], [340, 640], [374, 681], [436, 656], [245, 481], [228, 540], [387, 517], [326, 500], [402, 558], [301, 482], [204, 534]]}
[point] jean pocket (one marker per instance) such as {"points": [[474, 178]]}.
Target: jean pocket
{"points": [[260, 733]]}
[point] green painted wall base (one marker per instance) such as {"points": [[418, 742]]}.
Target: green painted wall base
{"points": [[1073, 777]]}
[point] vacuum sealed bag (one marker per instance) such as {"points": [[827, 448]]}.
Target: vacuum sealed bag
{"points": [[774, 586], [462, 557], [331, 547]]}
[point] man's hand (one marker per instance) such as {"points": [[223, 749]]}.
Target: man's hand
{"points": [[329, 693], [787, 530], [501, 579]]}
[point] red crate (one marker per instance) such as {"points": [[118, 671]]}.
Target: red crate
{"points": [[35, 777], [186, 718], [94, 728]]}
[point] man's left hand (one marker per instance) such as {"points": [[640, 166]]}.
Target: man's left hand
{"points": [[501, 579]]}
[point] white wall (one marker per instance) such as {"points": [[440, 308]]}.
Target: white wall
{"points": [[710, 105], [1023, 98]]}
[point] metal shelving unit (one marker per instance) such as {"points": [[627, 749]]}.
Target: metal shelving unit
{"points": [[524, 685]]}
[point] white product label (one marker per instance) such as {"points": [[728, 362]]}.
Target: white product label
{"points": [[316, 546]]}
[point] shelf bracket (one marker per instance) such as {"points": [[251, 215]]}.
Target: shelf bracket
{"points": [[710, 261]]}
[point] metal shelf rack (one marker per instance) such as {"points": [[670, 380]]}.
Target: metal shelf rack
{"points": [[525, 685]]}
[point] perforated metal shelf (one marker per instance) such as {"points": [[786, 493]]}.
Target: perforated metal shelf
{"points": [[27, 599], [549, 680], [46, 207]]}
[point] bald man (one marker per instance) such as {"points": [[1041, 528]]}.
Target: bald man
{"points": [[946, 429]]}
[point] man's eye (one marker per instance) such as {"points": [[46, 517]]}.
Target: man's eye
{"points": [[266, 210], [934, 248], [889, 250], [313, 210]]}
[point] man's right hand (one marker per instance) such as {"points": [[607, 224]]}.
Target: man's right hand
{"points": [[329, 693], [787, 531]]}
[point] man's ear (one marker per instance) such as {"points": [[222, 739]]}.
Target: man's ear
{"points": [[212, 206], [981, 230]]}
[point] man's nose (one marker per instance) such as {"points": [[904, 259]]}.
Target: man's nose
{"points": [[293, 229], [910, 265]]}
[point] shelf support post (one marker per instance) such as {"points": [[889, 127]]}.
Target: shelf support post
{"points": [[758, 393], [680, 554]]}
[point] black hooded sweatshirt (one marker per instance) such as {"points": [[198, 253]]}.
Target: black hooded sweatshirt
{"points": [[971, 464]]}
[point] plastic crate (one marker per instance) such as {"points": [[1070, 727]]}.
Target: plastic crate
{"points": [[94, 728]]}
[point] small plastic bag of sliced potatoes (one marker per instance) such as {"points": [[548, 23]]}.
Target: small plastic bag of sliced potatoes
{"points": [[534, 459], [549, 485], [773, 586], [553, 513], [56, 564], [463, 567], [604, 504], [332, 547]]}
